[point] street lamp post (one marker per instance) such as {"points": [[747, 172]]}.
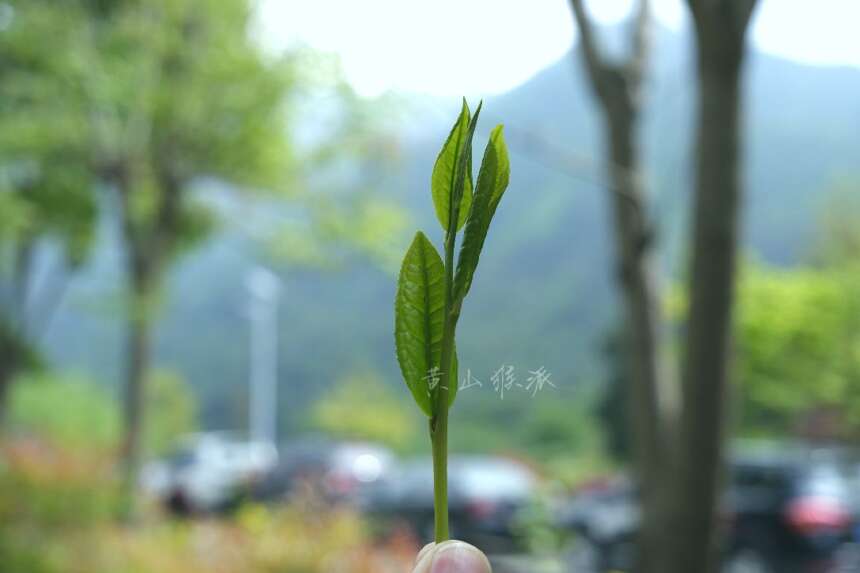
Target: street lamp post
{"points": [[264, 290]]}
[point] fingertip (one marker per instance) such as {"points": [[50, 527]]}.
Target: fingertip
{"points": [[459, 557], [424, 551]]}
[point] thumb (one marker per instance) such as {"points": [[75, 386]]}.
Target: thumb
{"points": [[451, 557]]}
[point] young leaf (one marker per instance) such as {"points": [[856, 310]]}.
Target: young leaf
{"points": [[493, 179], [419, 310], [445, 170], [463, 174]]}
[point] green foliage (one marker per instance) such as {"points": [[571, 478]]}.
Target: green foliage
{"points": [[46, 189], [553, 428], [549, 428], [334, 231], [799, 346], [171, 411], [76, 414], [56, 516], [44, 135], [493, 179], [428, 298], [427, 306], [362, 407], [445, 173], [419, 319], [65, 410], [54, 487], [185, 92]]}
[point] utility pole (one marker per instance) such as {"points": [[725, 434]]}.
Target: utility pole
{"points": [[264, 290]]}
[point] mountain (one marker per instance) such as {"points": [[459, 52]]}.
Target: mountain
{"points": [[544, 294]]}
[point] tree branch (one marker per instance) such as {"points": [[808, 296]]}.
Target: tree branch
{"points": [[594, 62], [641, 44], [745, 9], [740, 12]]}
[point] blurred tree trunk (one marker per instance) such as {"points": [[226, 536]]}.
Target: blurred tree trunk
{"points": [[149, 242], [8, 369], [720, 27], [137, 359], [616, 87], [11, 359], [23, 318]]}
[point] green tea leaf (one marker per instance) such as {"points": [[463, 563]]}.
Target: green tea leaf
{"points": [[443, 179], [463, 174], [419, 316], [493, 178]]}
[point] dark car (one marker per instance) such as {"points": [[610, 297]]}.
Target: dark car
{"points": [[783, 514], [485, 495], [604, 515], [789, 514], [333, 471]]}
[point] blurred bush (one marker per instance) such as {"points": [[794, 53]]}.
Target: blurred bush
{"points": [[50, 496], [363, 407], [57, 507], [73, 412], [68, 411]]}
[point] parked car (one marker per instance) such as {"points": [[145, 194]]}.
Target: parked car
{"points": [[336, 471], [789, 515], [604, 516], [484, 496], [209, 472], [784, 514]]}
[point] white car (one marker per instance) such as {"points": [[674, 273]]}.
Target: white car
{"points": [[209, 471]]}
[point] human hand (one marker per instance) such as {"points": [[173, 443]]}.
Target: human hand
{"points": [[451, 557]]}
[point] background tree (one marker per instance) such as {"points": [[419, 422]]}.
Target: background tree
{"points": [[179, 92], [720, 29], [47, 205], [798, 333], [617, 87], [677, 531]]}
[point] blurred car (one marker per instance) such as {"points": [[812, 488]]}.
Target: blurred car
{"points": [[336, 471], [604, 515], [485, 494], [209, 472], [788, 514], [784, 514]]}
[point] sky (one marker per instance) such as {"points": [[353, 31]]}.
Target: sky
{"points": [[481, 47]]}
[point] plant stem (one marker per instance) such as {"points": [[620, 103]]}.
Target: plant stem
{"points": [[439, 422], [439, 439]]}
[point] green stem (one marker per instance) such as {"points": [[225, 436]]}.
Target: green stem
{"points": [[439, 439], [439, 422]]}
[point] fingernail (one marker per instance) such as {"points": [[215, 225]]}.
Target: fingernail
{"points": [[459, 557]]}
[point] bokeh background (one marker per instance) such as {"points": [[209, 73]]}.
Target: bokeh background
{"points": [[203, 207]]}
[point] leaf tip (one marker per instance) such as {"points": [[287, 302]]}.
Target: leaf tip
{"points": [[478, 109], [464, 110]]}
